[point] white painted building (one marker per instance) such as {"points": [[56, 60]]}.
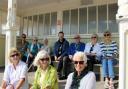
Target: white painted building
{"points": [[47, 17]]}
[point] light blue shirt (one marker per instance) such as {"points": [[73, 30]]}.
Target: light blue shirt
{"points": [[96, 49]]}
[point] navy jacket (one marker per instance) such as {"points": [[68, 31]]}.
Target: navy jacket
{"points": [[76, 47], [65, 48]]}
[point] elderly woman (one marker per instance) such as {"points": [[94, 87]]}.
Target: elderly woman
{"points": [[45, 45], [15, 75], [93, 51], [81, 78], [46, 75], [109, 51]]}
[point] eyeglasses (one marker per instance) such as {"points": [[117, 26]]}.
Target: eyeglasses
{"points": [[44, 59], [93, 37], [23, 37], [106, 35], [14, 55], [80, 62], [34, 40]]}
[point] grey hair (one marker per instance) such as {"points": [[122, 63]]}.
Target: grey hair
{"points": [[41, 54], [82, 56]]}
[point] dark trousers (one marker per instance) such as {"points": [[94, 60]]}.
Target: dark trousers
{"points": [[31, 67], [90, 65], [91, 61], [63, 66], [24, 58]]}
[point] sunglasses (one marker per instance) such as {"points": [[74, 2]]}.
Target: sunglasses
{"points": [[14, 55], [44, 59], [80, 62], [93, 37], [34, 40], [106, 35], [76, 37], [23, 37]]}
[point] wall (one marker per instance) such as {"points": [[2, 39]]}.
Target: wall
{"points": [[2, 50]]}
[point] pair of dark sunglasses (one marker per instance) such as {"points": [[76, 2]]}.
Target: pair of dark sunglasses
{"points": [[35, 40], [13, 55], [106, 35], [23, 37], [80, 62], [93, 37], [44, 59]]}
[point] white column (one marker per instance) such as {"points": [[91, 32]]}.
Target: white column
{"points": [[10, 28], [59, 21], [122, 18]]}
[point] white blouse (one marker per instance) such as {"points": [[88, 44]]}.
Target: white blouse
{"points": [[87, 82], [12, 76], [96, 49]]}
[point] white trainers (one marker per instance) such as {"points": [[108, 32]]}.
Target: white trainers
{"points": [[106, 84]]}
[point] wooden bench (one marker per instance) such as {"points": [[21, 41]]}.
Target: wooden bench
{"points": [[97, 69]]}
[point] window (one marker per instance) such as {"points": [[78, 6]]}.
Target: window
{"points": [[25, 25], [74, 21], [83, 20], [35, 25], [47, 24], [113, 26], [92, 20], [102, 18], [53, 23], [66, 29], [41, 26], [30, 25]]}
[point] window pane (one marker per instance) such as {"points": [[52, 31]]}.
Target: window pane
{"points": [[66, 22], [53, 23], [83, 20], [30, 26], [102, 18], [25, 25], [92, 20], [35, 26], [74, 21], [47, 24], [113, 26], [41, 27]]}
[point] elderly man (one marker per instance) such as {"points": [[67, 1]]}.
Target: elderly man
{"points": [[61, 55], [76, 46]]}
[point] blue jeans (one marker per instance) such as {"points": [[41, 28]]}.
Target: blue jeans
{"points": [[107, 68]]}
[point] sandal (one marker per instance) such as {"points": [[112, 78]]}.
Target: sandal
{"points": [[111, 85]]}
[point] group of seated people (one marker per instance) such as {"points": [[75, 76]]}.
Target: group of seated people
{"points": [[30, 49], [82, 55], [104, 52]]}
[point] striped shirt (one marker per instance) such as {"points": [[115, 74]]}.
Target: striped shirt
{"points": [[109, 49]]}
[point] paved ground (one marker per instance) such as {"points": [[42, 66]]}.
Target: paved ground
{"points": [[99, 84]]}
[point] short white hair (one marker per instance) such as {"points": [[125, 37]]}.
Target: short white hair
{"points": [[41, 54], [82, 56]]}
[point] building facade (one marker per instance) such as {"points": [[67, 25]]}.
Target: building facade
{"points": [[71, 16]]}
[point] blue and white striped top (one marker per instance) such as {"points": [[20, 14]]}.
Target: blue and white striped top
{"points": [[108, 50]]}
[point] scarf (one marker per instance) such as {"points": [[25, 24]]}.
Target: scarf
{"points": [[76, 79]]}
